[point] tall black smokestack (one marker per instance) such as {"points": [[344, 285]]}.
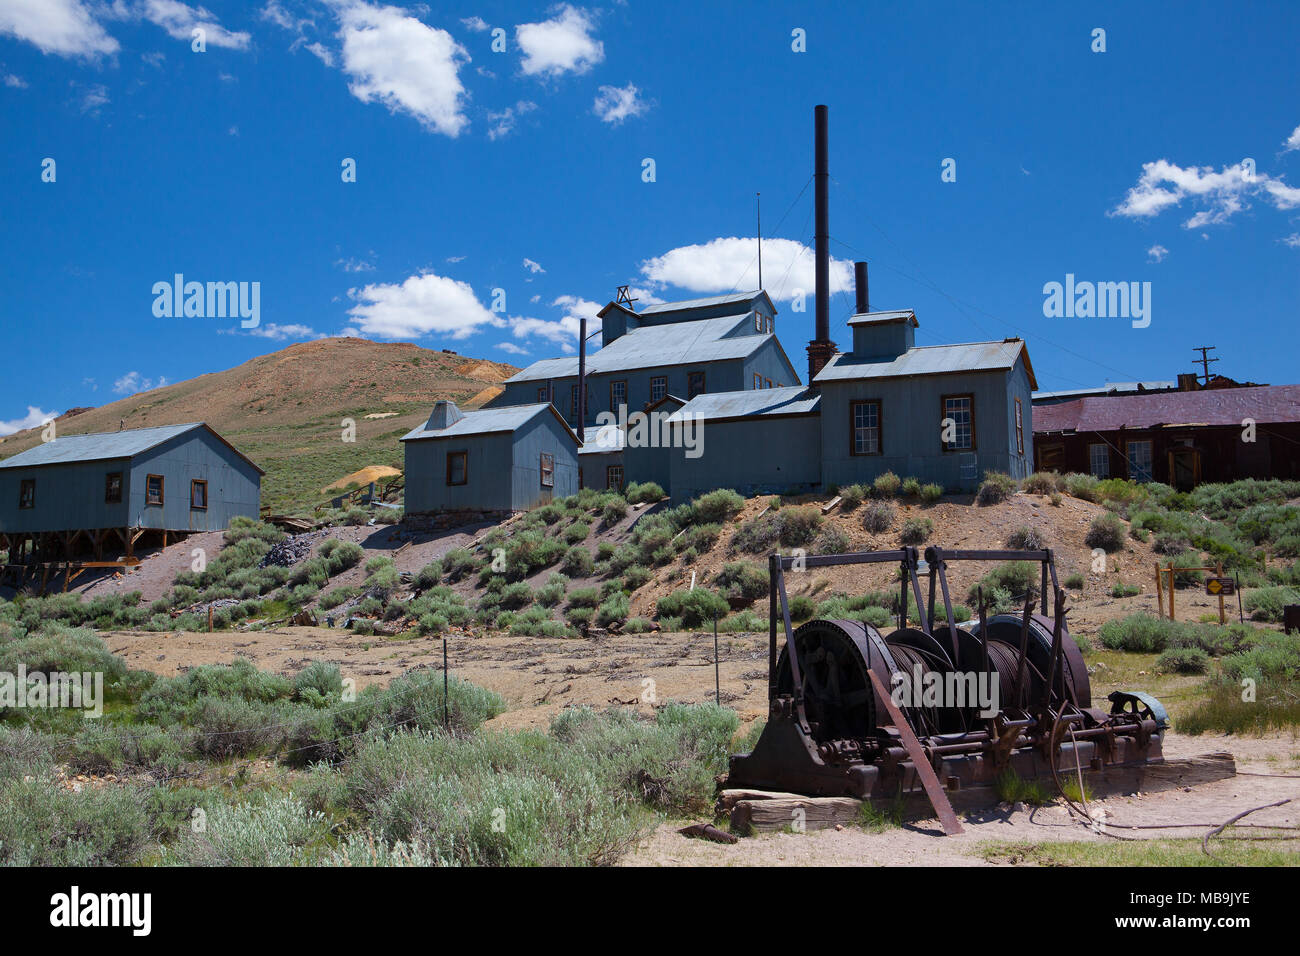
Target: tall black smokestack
{"points": [[860, 283], [821, 184], [821, 348]]}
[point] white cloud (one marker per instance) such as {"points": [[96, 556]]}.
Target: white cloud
{"points": [[15, 82], [355, 265], [94, 99], [562, 44], [409, 67], [1223, 194], [1292, 240], [180, 20], [533, 267], [512, 348], [421, 305], [474, 24], [321, 52], [563, 331], [281, 333], [1157, 253], [33, 418], [1293, 141], [503, 123], [615, 104], [62, 27], [454, 259], [133, 382], [724, 264]]}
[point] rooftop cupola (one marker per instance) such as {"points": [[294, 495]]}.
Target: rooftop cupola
{"points": [[444, 414]]}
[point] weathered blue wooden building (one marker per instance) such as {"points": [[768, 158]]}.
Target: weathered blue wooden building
{"points": [[102, 489], [490, 460], [724, 343]]}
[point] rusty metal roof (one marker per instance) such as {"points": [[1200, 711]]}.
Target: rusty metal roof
{"points": [[1216, 406], [678, 343], [751, 403], [926, 360]]}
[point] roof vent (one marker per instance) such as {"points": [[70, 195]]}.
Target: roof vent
{"points": [[445, 414]]}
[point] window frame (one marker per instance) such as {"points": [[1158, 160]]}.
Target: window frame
{"points": [[1092, 467], [943, 413], [690, 388], [543, 394], [1020, 427], [879, 426], [196, 483], [463, 455], [149, 498], [26, 494], [662, 380], [609, 472], [109, 499], [1151, 459], [546, 467], [613, 402], [758, 381]]}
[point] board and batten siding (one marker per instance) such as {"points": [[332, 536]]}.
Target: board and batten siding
{"points": [[234, 486], [911, 413], [503, 469], [762, 455], [70, 495]]}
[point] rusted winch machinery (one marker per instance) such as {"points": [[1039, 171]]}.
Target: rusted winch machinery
{"points": [[854, 712]]}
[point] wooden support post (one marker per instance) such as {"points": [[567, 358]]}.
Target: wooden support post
{"points": [[1218, 572], [1172, 615], [1160, 590]]}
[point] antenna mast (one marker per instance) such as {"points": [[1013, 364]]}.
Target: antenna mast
{"points": [[758, 205]]}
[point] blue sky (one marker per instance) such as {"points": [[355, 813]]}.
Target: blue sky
{"points": [[524, 170]]}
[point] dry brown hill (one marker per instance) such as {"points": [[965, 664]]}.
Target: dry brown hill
{"points": [[285, 410]]}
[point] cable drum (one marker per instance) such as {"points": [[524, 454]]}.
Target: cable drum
{"points": [[1071, 681]]}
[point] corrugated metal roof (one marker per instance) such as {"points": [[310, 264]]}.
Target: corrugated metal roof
{"points": [[677, 343], [925, 360], [1218, 406], [704, 303], [884, 318], [482, 422], [99, 446], [1110, 388], [604, 441], [751, 403]]}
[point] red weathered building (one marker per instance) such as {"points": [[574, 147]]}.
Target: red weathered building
{"points": [[1180, 438]]}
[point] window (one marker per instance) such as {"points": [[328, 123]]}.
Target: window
{"points": [[614, 477], [199, 494], [758, 380], [457, 467], [694, 385], [1020, 428], [658, 387], [544, 394], [767, 382], [1139, 460], [958, 425], [1099, 460], [153, 490], [617, 396], [113, 488], [864, 420], [1050, 457], [27, 493], [548, 470], [758, 321]]}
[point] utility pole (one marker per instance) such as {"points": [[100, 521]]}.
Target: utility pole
{"points": [[1206, 360]]}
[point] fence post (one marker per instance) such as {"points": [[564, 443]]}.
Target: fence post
{"points": [[717, 680], [1218, 573], [1172, 615], [1160, 590]]}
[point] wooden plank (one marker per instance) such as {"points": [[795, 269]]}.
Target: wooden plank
{"points": [[810, 813], [729, 797], [929, 779], [832, 504]]}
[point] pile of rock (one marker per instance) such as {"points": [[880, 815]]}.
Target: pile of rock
{"points": [[289, 551]]}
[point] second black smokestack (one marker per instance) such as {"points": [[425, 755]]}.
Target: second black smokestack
{"points": [[860, 283], [821, 178]]}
